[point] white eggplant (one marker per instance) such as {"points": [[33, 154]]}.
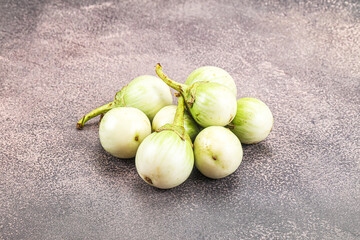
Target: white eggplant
{"points": [[122, 129], [218, 152], [165, 158]]}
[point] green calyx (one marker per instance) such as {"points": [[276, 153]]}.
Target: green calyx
{"points": [[118, 102], [179, 130], [178, 125], [190, 93]]}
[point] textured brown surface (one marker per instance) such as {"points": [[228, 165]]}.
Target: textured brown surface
{"points": [[59, 59]]}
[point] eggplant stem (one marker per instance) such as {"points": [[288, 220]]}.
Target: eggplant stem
{"points": [[171, 83], [100, 110], [179, 114]]}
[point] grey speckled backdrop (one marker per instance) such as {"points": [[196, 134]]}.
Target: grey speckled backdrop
{"points": [[60, 59]]}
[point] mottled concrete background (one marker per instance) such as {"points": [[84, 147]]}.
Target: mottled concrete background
{"points": [[60, 59]]}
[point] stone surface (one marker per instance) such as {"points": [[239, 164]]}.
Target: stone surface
{"points": [[60, 59]]}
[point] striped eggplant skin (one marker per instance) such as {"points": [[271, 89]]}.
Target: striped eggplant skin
{"points": [[167, 114], [218, 152], [209, 103], [212, 74], [164, 160], [147, 93], [121, 131], [253, 121], [213, 104]]}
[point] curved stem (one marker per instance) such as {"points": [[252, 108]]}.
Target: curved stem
{"points": [[179, 115], [175, 85], [103, 109]]}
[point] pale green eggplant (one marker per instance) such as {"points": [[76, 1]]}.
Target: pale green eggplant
{"points": [[146, 93], [210, 104], [253, 121]]}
